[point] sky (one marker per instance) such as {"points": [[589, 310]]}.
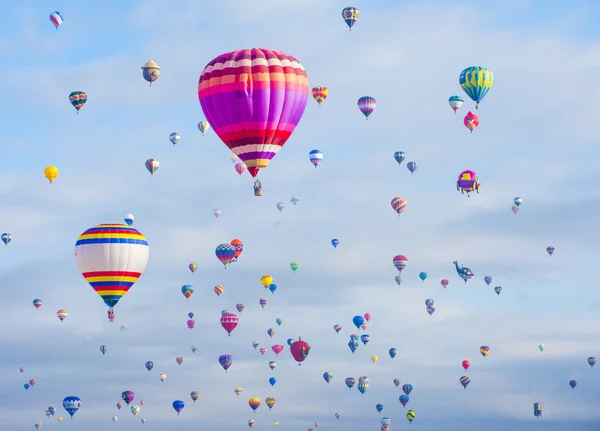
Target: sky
{"points": [[537, 139]]}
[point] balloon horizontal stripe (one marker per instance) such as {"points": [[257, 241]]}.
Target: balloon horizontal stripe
{"points": [[111, 284], [109, 240], [112, 274], [113, 292], [216, 87]]}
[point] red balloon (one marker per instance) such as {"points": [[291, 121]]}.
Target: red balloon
{"points": [[466, 364], [300, 350]]}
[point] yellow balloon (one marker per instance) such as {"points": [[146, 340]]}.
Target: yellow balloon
{"points": [[374, 358], [276, 423], [51, 172], [237, 390], [266, 280], [60, 418]]}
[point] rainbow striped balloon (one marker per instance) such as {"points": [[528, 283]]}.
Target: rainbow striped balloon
{"points": [[253, 99], [111, 257]]}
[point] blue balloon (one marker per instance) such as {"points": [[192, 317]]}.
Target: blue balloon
{"points": [[178, 405], [26, 386], [272, 288], [412, 166], [71, 405], [290, 341], [353, 344], [335, 242], [404, 399], [279, 321], [272, 380], [399, 156], [358, 321], [393, 352], [423, 276], [379, 407]]}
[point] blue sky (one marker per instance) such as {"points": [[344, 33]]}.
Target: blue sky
{"points": [[537, 139]]}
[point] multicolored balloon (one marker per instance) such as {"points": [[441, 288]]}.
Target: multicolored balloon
{"points": [[484, 350], [150, 71], [550, 250], [71, 405], [320, 94], [225, 253], [229, 321], [203, 126], [412, 167], [465, 380], [152, 165], [468, 181], [174, 138], [399, 204], [316, 157], [78, 99], [455, 102], [57, 19], [225, 361], [254, 99], [471, 121], [350, 15], [367, 105], [476, 81]]}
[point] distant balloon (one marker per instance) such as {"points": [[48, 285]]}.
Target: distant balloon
{"points": [[476, 81], [150, 71], [367, 105], [51, 172], [129, 219], [455, 102], [399, 156], [240, 168], [350, 16], [178, 406], [399, 204], [393, 352], [573, 383], [444, 283], [471, 121], [152, 165], [550, 250], [203, 126], [412, 167], [78, 99], [225, 253], [498, 290], [465, 380], [37, 303], [404, 400], [337, 328], [316, 157], [71, 405], [320, 94], [225, 361], [335, 242], [484, 350], [57, 19], [103, 349], [217, 212], [541, 347], [149, 365], [592, 361], [466, 364], [193, 267], [294, 200], [423, 276], [174, 138], [514, 209], [518, 201], [280, 206], [487, 279], [61, 314]]}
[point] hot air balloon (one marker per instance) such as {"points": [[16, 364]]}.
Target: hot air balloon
{"points": [[51, 172], [193, 267], [225, 361], [335, 242], [550, 250], [337, 328], [537, 410], [254, 403], [262, 302], [174, 138], [280, 206], [407, 389], [379, 407], [239, 307], [179, 360], [71, 405], [363, 386], [277, 349], [338, 415], [393, 352], [327, 376], [229, 322], [455, 102], [178, 406], [514, 209], [400, 262], [37, 303], [149, 365], [466, 364], [78, 99], [103, 349], [6, 238], [444, 283], [350, 15], [315, 157], [374, 358], [465, 380], [592, 361], [468, 181], [399, 204], [498, 290], [119, 405], [518, 201], [270, 402], [234, 101], [320, 94], [203, 126], [399, 156], [217, 212], [218, 289], [484, 350], [412, 167], [403, 400], [61, 314], [187, 291], [150, 71], [422, 276], [225, 253], [410, 415], [294, 267], [238, 245], [237, 390], [471, 121], [127, 396], [476, 81], [152, 165], [240, 168], [194, 348], [367, 105], [300, 350], [162, 377], [129, 219], [272, 364], [57, 19], [194, 395], [251, 423], [350, 381], [541, 347]]}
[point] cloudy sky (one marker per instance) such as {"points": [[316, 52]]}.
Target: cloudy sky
{"points": [[537, 139]]}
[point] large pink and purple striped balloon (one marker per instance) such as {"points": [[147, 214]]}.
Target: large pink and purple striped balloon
{"points": [[254, 99]]}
